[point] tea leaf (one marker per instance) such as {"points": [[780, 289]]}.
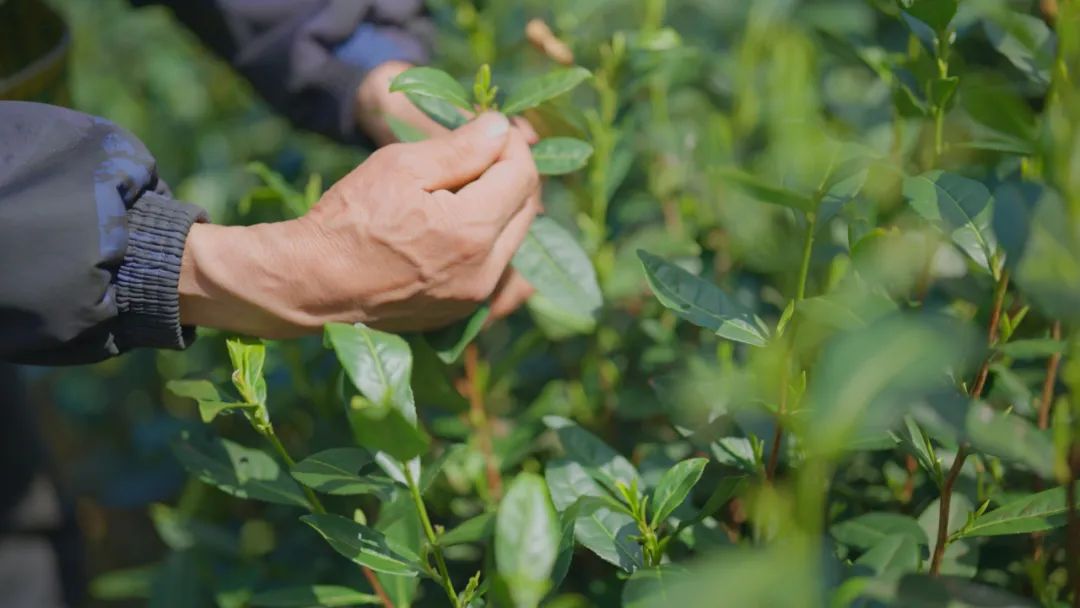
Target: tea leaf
{"points": [[1026, 41], [700, 302], [451, 341], [1032, 349], [475, 530], [338, 471], [960, 207], [385, 429], [675, 486], [432, 83], [363, 545], [560, 155], [652, 587], [1012, 438], [766, 192], [237, 470], [870, 529], [535, 92], [893, 554], [603, 464], [248, 358], [1033, 513], [526, 540], [378, 364], [551, 260], [442, 112], [935, 13], [328, 596], [938, 592]]}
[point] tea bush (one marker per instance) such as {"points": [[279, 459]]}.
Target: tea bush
{"points": [[808, 292]]}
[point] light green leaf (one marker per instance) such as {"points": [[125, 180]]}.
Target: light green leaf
{"points": [[701, 302], [675, 486], [561, 155], [475, 530], [199, 390], [337, 471], [237, 470], [313, 596], [363, 545], [535, 92], [766, 192], [526, 540], [431, 83], [248, 358], [552, 261], [651, 587], [960, 207], [208, 410], [1037, 348], [378, 364], [871, 529], [935, 13], [1033, 513]]}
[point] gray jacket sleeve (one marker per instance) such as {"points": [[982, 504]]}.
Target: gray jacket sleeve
{"points": [[90, 240], [307, 57]]}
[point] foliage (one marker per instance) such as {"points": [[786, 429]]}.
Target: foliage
{"points": [[804, 334]]}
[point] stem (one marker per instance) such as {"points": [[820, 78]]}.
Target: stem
{"points": [[1051, 378], [992, 335], [943, 511], [1072, 530], [808, 248], [479, 419], [433, 540]]}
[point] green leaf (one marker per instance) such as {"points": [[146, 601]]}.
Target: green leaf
{"points": [[894, 554], [960, 207], [431, 382], [701, 302], [560, 155], [535, 92], [603, 464], [451, 341], [126, 584], [403, 131], [208, 410], [553, 262], [337, 471], [177, 583], [652, 587], [385, 429], [363, 545], [312, 596], [1025, 40], [199, 390], [237, 470], [1012, 438], [1037, 512], [675, 486], [442, 112], [526, 540], [605, 531], [1038, 348], [248, 357], [935, 13], [766, 192], [431, 83], [726, 489], [927, 591], [871, 529], [378, 364], [475, 530]]}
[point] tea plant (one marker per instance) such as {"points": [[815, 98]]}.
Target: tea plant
{"points": [[804, 334]]}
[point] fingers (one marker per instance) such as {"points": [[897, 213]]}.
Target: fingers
{"points": [[526, 129], [501, 192], [457, 157], [512, 291], [508, 242]]}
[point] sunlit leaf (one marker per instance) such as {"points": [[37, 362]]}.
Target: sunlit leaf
{"points": [[552, 261], [560, 155], [363, 545], [342, 472], [431, 82], [549, 86], [526, 540], [1037, 512], [237, 470], [675, 486], [960, 207]]}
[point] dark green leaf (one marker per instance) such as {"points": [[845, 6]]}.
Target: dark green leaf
{"points": [[935, 13], [765, 191], [1012, 438], [526, 540], [363, 545], [1033, 513], [675, 486], [431, 382], [1032, 349], [894, 554], [338, 471], [551, 260], [651, 587], [1025, 40], [603, 464], [312, 596], [451, 341], [871, 529], [433, 83], [560, 155], [236, 470], [535, 92], [927, 591], [960, 207], [442, 112], [383, 428], [701, 302]]}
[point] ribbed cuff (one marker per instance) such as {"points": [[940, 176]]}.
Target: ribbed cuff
{"points": [[147, 283]]}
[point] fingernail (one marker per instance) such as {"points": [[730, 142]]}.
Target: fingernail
{"points": [[497, 125]]}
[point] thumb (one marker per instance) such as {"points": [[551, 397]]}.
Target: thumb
{"points": [[457, 158]]}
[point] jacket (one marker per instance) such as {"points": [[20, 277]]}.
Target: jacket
{"points": [[91, 240]]}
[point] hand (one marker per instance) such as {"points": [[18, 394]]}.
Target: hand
{"points": [[374, 102], [415, 238]]}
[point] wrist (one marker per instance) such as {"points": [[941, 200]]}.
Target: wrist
{"points": [[248, 279]]}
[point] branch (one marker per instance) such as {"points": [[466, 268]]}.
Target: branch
{"points": [[943, 511]]}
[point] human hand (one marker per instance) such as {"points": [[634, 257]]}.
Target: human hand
{"points": [[415, 238]]}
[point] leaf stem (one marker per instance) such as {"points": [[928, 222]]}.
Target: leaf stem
{"points": [[433, 539], [271, 436], [943, 511], [478, 418]]}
